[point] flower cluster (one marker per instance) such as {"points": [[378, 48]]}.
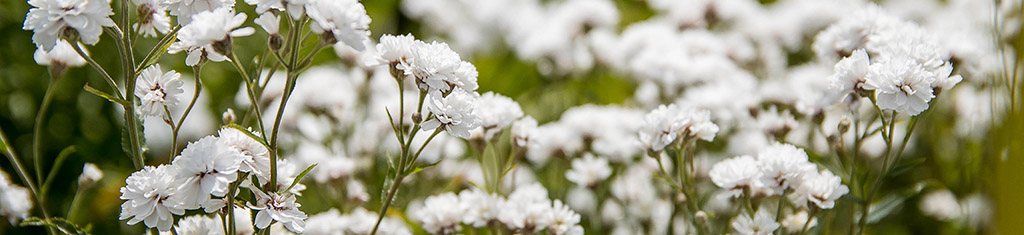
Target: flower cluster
{"points": [[527, 209], [15, 200], [777, 170], [672, 124], [74, 20]]}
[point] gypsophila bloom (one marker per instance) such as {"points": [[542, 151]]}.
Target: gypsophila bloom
{"points": [[944, 82], [564, 221], [15, 201], [664, 125], [280, 208], [90, 175], [441, 214], [479, 207], [186, 9], [822, 188], [74, 20], [454, 113], [269, 22], [157, 89], [795, 222], [901, 84], [200, 225], [396, 49], [763, 223], [737, 174], [340, 21], [256, 157], [850, 74], [294, 8], [527, 208], [149, 195], [210, 37], [941, 205], [62, 55], [589, 170], [205, 168], [496, 112], [781, 167], [152, 17], [439, 70], [523, 130]]}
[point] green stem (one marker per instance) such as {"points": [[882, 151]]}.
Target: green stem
{"points": [[37, 135], [196, 71], [7, 149], [98, 68]]}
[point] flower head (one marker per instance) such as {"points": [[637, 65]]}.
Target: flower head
{"points": [[901, 84], [496, 112], [278, 207], [762, 223], [200, 225], [157, 89], [50, 20], [523, 130], [149, 197], [396, 49], [152, 17], [454, 113], [737, 174], [186, 9], [340, 21], [62, 55], [781, 167], [479, 207], [850, 74], [441, 214], [822, 188], [210, 37], [256, 157], [205, 168], [664, 125], [589, 170], [564, 221]]}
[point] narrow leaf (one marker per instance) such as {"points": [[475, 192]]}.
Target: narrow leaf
{"points": [[297, 178], [249, 133], [105, 95]]}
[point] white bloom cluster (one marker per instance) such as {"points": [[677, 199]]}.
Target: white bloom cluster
{"points": [[72, 20], [761, 223], [15, 200], [210, 37], [152, 17], [589, 170], [608, 131], [778, 169], [158, 90], [435, 67], [186, 10], [496, 112], [358, 221], [664, 126], [340, 21], [526, 209], [454, 113], [973, 210]]}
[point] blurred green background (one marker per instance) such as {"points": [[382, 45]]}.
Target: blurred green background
{"points": [[80, 119]]}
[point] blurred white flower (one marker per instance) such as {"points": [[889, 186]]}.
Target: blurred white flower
{"points": [[210, 38], [901, 84], [356, 191], [340, 20], [90, 175], [822, 188], [589, 170], [564, 221], [737, 174], [62, 55], [441, 214], [763, 223], [496, 112], [256, 157], [152, 17], [278, 207], [795, 222], [200, 225], [941, 205], [977, 210], [205, 167], [782, 166], [15, 201], [527, 208], [523, 130], [149, 197], [944, 82], [186, 9], [157, 89], [662, 126], [479, 207], [51, 20], [850, 74], [454, 113], [294, 8]]}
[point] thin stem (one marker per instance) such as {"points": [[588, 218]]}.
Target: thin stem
{"points": [[251, 93], [387, 201], [7, 149], [98, 68], [75, 204], [417, 156], [196, 71], [37, 149]]}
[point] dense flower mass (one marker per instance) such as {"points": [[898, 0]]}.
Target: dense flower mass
{"points": [[340, 21], [150, 197], [72, 20]]}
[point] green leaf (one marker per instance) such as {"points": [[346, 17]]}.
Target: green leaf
{"points": [[421, 167], [297, 178], [885, 207], [126, 142], [65, 226], [906, 166], [249, 133], [105, 95]]}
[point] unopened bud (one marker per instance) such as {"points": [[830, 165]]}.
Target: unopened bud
{"points": [[844, 125], [229, 116], [90, 175], [417, 118], [275, 42], [680, 198], [700, 217]]}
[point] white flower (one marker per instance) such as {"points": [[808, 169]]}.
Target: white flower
{"points": [[62, 55], [523, 130], [496, 112], [396, 49], [564, 221], [340, 20], [662, 126], [763, 223], [294, 8], [941, 205], [152, 18], [186, 9], [149, 195], [527, 208], [50, 20], [454, 113], [269, 22], [795, 222], [157, 89], [15, 201], [90, 174], [850, 74], [781, 167], [479, 207], [944, 82], [441, 214], [823, 189], [205, 168], [200, 225], [588, 171], [256, 157], [901, 84], [438, 69], [210, 37], [737, 174], [281, 208]]}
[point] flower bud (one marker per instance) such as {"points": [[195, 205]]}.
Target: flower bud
{"points": [[844, 125], [228, 116], [417, 118], [700, 217], [275, 41], [90, 175]]}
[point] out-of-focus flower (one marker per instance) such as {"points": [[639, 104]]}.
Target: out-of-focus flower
{"points": [[90, 175], [200, 225], [157, 89], [152, 17], [454, 113], [210, 38], [664, 125], [149, 197], [496, 112], [589, 170], [796, 221], [294, 8], [850, 74], [441, 214], [941, 205], [523, 130], [73, 20], [564, 221], [186, 9], [396, 49], [479, 207], [340, 21], [762, 223], [782, 166], [822, 188], [737, 174], [15, 201]]}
